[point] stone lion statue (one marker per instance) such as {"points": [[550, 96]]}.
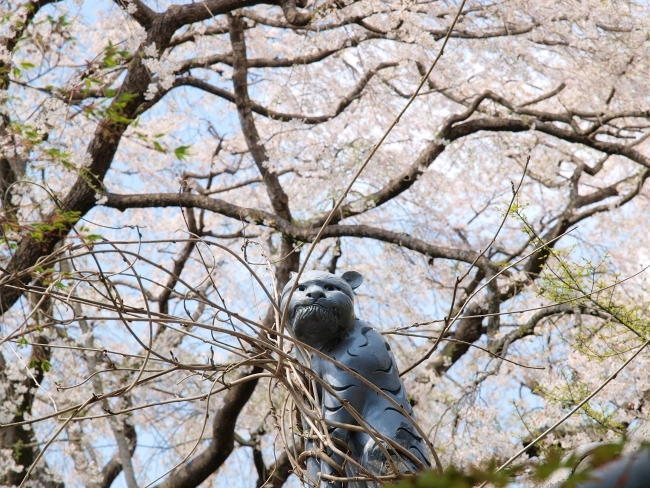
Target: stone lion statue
{"points": [[321, 315]]}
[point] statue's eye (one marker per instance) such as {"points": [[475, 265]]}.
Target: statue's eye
{"points": [[331, 287], [301, 288]]}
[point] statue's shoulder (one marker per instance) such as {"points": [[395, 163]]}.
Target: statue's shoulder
{"points": [[366, 342], [362, 331]]}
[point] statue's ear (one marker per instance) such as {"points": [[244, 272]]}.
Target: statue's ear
{"points": [[353, 278], [292, 275]]}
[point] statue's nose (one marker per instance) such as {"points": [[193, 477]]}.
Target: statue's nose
{"points": [[315, 292]]}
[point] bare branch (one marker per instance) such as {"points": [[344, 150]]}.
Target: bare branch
{"points": [[546, 96], [191, 36], [528, 328], [464, 34], [280, 62], [308, 119]]}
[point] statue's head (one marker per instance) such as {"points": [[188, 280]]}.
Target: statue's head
{"points": [[321, 307]]}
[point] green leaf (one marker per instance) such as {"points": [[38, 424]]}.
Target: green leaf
{"points": [[42, 364], [182, 152], [109, 62]]}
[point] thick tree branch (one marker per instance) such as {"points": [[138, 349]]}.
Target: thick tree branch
{"points": [[279, 199], [22, 392], [641, 178], [113, 468], [180, 15], [197, 470], [304, 234], [468, 331], [279, 471], [177, 269], [142, 14], [549, 123], [293, 15]]}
